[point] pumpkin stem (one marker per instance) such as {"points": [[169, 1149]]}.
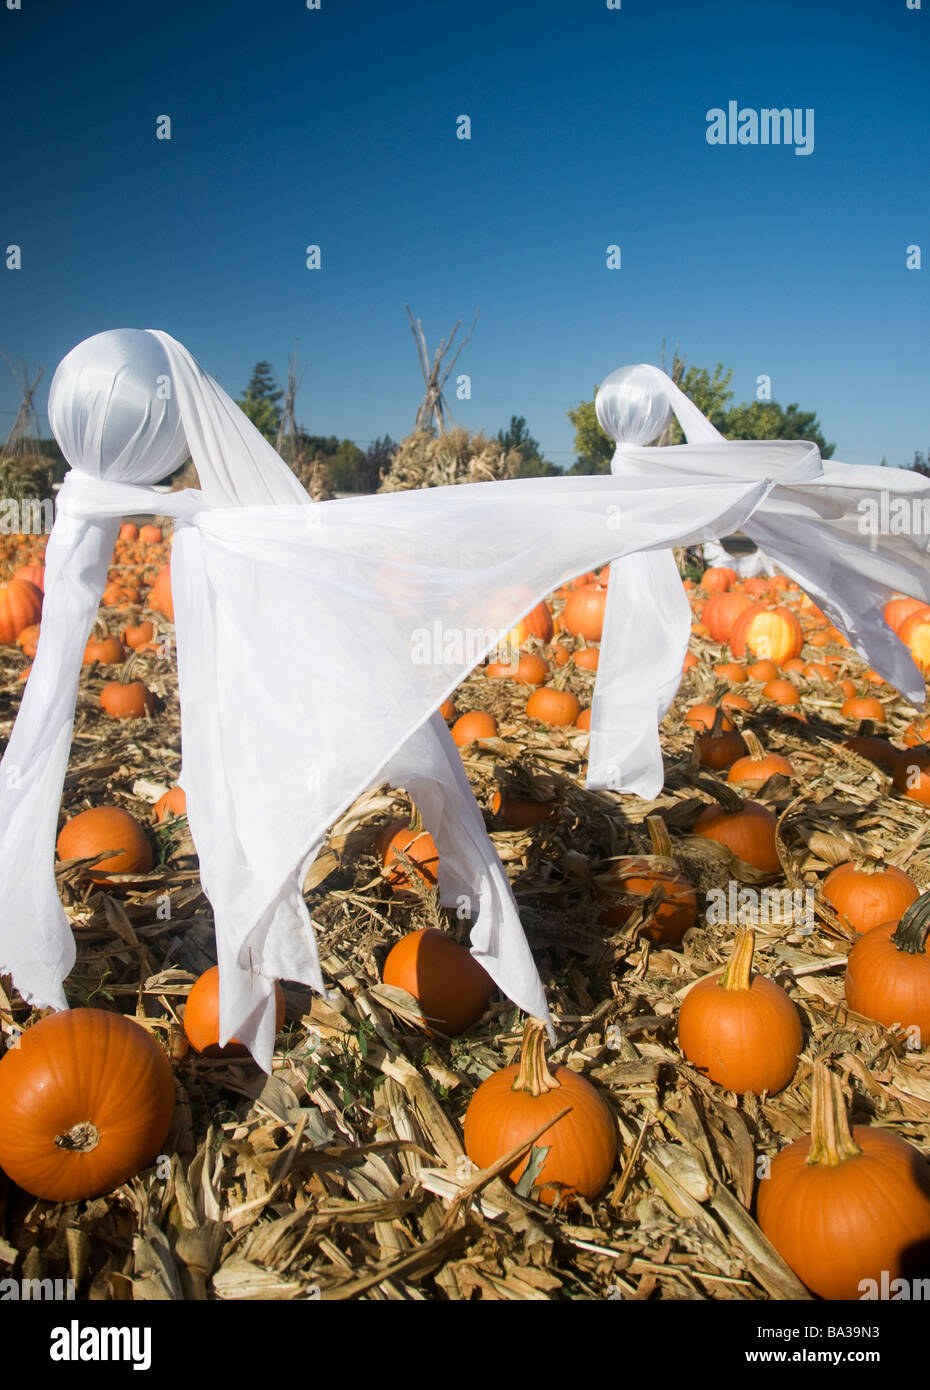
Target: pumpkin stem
{"points": [[913, 928], [534, 1075], [658, 834], [560, 679], [871, 861], [738, 969], [756, 751], [81, 1138], [831, 1138], [416, 820]]}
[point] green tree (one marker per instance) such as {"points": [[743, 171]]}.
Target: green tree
{"points": [[769, 420], [344, 466], [518, 437], [261, 402], [594, 448]]}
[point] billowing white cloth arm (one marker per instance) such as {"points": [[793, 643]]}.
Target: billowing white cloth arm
{"points": [[646, 629]]}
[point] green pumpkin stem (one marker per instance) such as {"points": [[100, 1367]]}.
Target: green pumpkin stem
{"points": [[738, 972], [913, 928], [831, 1137], [534, 1075], [416, 820]]}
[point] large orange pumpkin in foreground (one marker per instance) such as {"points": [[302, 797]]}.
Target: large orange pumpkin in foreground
{"points": [[202, 1017], [513, 1103], [846, 1205], [86, 1102], [105, 828], [451, 987]]}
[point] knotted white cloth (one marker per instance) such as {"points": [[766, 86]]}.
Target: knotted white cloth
{"points": [[813, 522], [315, 643]]}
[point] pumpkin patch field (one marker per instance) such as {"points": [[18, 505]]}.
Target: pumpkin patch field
{"points": [[736, 1105]]}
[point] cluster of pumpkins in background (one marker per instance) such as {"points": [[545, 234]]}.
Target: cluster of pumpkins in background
{"points": [[87, 1097]]}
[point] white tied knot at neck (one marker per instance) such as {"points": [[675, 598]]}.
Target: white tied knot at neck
{"points": [[406, 592]]}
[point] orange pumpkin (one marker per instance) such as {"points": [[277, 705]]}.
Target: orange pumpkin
{"points": [[721, 612], [537, 623], [28, 640], [161, 598], [450, 985], [202, 1017], [584, 720], [107, 829], [676, 912], [783, 692], [508, 1107], [584, 611], [172, 803], [745, 827], [846, 1204], [912, 775], [888, 971], [20, 606], [772, 634], [897, 610], [150, 535], [762, 671], [755, 769], [917, 732], [108, 651], [868, 894], [586, 658], [717, 579], [864, 707], [129, 531], [417, 845], [127, 700], [86, 1102], [35, 574], [552, 706], [741, 1029], [731, 671], [519, 812], [136, 636], [477, 724]]}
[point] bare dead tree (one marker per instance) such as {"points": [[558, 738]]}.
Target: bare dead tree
{"points": [[286, 442], [434, 413], [23, 438], [677, 372]]}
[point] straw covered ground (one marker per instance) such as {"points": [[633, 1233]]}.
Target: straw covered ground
{"points": [[343, 1174]]}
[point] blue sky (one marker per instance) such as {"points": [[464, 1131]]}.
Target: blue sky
{"points": [[338, 127]]}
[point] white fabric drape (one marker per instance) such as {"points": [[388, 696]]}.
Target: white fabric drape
{"points": [[315, 643], [810, 523]]}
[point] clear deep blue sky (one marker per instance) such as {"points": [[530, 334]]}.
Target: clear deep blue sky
{"points": [[337, 127]]}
